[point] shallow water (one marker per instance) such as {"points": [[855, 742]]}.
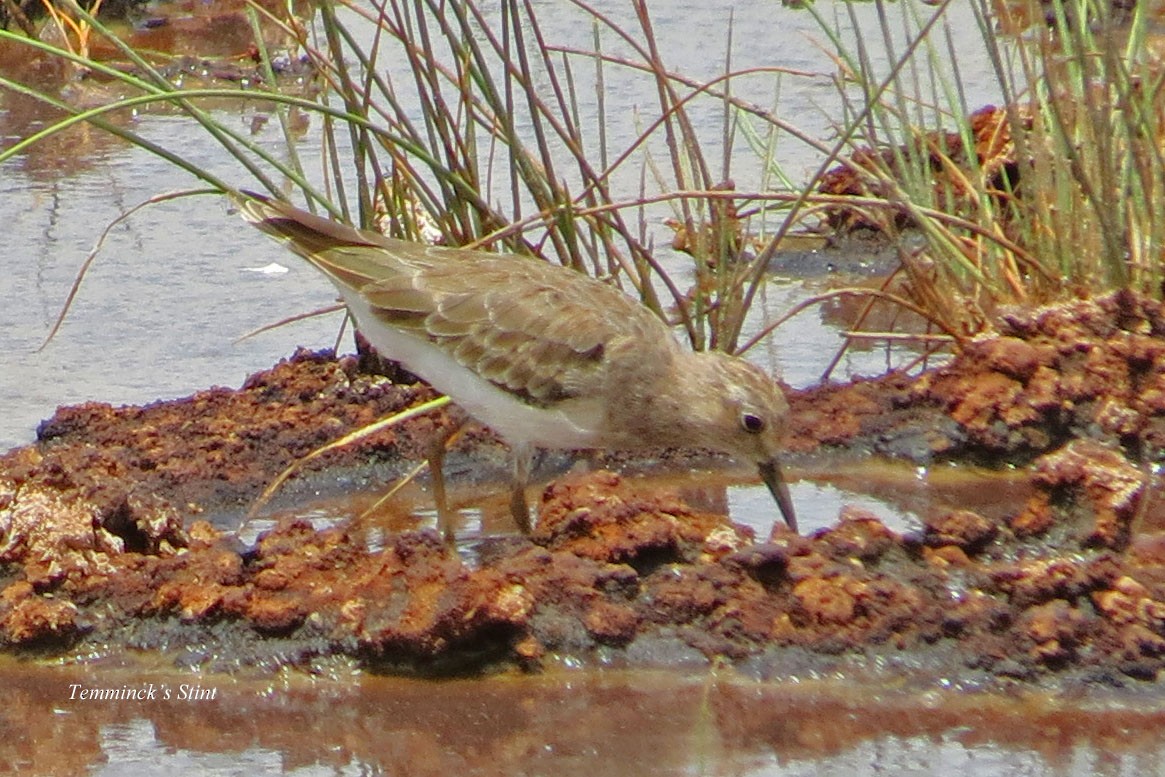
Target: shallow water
{"points": [[898, 493], [563, 722]]}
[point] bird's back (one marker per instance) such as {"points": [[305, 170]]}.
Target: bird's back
{"points": [[534, 329]]}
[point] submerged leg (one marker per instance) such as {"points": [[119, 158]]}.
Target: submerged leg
{"points": [[523, 456], [436, 458]]}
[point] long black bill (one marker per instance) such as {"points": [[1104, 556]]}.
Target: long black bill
{"points": [[770, 473]]}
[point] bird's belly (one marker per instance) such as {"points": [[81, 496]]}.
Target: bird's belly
{"points": [[574, 423]]}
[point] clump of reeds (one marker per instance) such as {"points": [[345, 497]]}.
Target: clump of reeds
{"points": [[444, 122], [1050, 194]]}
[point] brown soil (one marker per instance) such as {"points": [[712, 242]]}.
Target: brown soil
{"points": [[994, 156], [104, 537]]}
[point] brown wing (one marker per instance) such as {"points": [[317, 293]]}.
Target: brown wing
{"points": [[534, 328]]}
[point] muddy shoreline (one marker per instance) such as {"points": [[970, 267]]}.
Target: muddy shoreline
{"points": [[115, 533]]}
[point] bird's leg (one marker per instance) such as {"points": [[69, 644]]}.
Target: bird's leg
{"points": [[435, 455], [523, 456]]}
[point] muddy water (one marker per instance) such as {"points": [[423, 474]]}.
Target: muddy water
{"points": [[898, 494], [562, 722]]}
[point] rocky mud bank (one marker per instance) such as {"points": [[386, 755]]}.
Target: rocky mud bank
{"points": [[116, 531]]}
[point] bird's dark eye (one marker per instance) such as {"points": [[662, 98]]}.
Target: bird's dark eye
{"points": [[753, 424]]}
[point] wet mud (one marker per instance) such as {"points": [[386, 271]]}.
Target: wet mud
{"points": [[116, 531]]}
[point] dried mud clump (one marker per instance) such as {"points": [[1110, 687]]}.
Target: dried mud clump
{"points": [[602, 519], [1086, 369], [965, 530], [219, 447], [1088, 489], [872, 415]]}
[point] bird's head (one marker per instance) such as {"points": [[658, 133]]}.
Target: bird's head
{"points": [[750, 417]]}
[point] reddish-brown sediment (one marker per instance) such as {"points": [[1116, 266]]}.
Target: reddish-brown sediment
{"points": [[1091, 369], [101, 540], [862, 174]]}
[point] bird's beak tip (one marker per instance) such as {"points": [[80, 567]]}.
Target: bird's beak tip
{"points": [[774, 478]]}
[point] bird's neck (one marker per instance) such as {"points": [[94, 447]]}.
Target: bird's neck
{"points": [[671, 406]]}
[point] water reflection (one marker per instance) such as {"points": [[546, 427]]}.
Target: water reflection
{"points": [[561, 722], [899, 494], [79, 148]]}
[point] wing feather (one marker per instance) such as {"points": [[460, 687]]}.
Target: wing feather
{"points": [[536, 329]]}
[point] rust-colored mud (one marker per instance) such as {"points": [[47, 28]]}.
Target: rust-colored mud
{"points": [[992, 151], [101, 539]]}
